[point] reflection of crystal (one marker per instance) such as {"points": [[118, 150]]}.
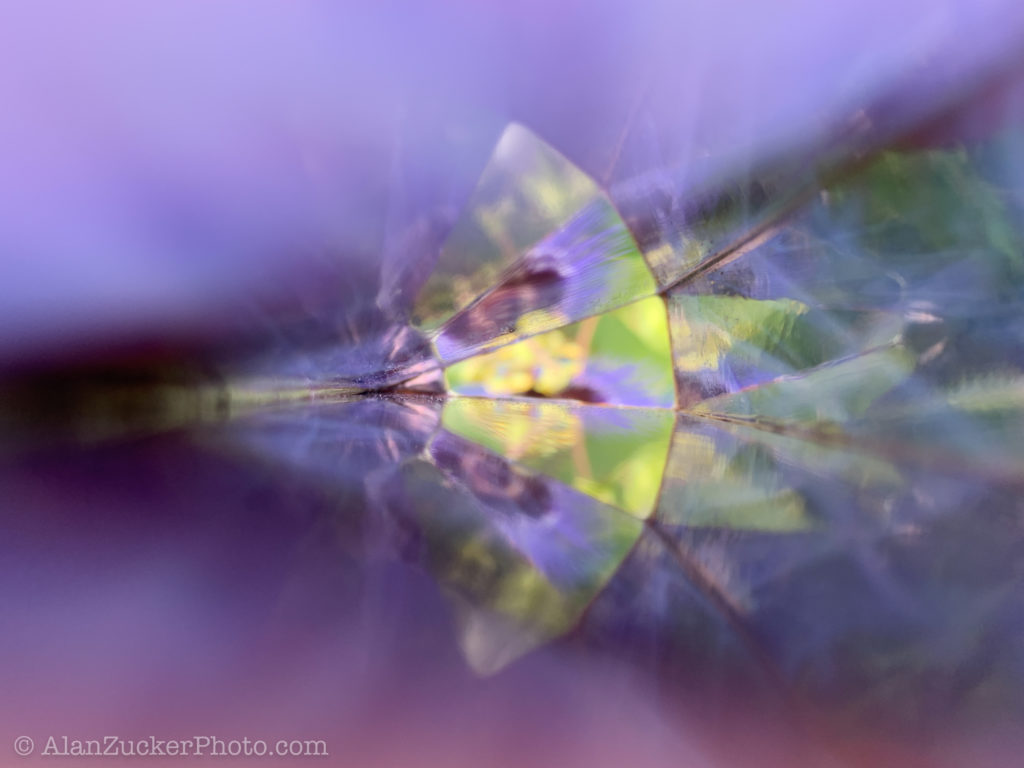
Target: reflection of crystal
{"points": [[615, 455]]}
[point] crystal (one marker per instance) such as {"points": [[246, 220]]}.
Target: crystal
{"points": [[538, 247], [745, 421]]}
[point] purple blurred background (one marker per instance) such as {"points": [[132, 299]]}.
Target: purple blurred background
{"points": [[240, 182], [186, 174]]}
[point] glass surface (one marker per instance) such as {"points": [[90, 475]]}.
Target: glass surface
{"points": [[670, 412]]}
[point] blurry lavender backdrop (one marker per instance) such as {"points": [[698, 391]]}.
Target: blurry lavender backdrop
{"points": [[515, 383]]}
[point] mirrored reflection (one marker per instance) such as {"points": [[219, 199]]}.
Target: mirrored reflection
{"points": [[615, 455], [658, 615], [869, 621], [739, 477], [340, 443], [519, 554], [839, 577], [621, 357], [708, 485], [977, 426], [777, 571]]}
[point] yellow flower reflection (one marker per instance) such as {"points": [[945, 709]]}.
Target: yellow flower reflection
{"points": [[544, 365]]}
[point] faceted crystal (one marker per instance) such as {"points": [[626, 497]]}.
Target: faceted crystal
{"points": [[539, 246]]}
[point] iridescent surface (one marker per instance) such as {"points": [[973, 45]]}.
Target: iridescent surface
{"points": [[616, 455], [621, 357], [565, 250], [633, 437]]}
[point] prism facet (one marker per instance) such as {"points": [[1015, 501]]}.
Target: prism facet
{"points": [[539, 246]]}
